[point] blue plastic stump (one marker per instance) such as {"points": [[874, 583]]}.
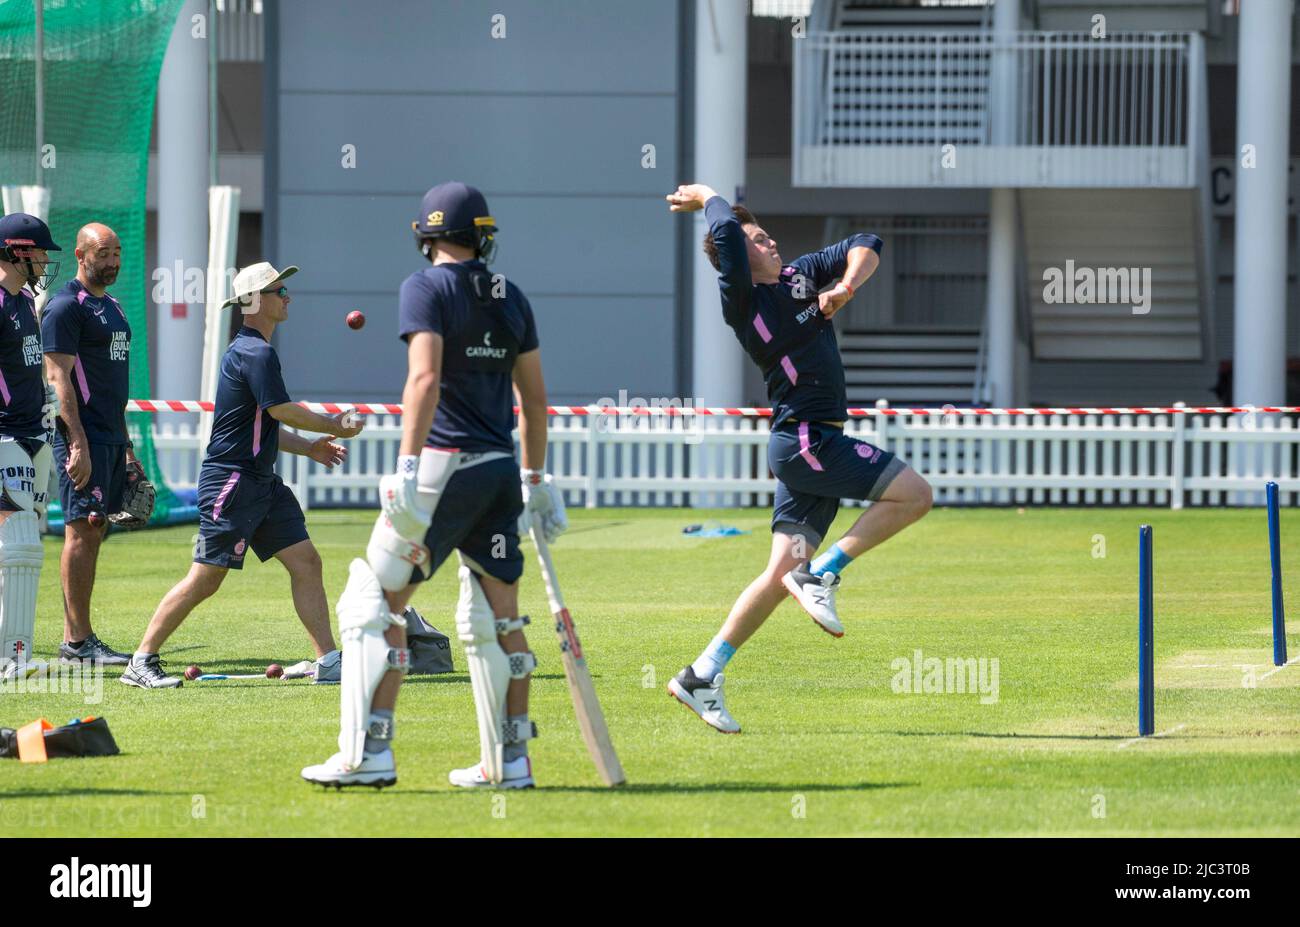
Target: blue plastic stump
{"points": [[1275, 558], [1146, 637]]}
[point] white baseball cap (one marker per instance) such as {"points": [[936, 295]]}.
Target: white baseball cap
{"points": [[257, 277]]}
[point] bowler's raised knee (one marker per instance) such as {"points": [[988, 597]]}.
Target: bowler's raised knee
{"points": [[912, 491]]}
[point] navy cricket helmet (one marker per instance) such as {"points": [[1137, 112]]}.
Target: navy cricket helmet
{"points": [[458, 213], [21, 236]]}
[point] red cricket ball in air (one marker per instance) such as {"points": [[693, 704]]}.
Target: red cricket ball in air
{"points": [[356, 319]]}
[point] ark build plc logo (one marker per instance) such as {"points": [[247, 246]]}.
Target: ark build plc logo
{"points": [[103, 880]]}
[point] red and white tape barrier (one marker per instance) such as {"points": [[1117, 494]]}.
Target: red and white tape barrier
{"points": [[393, 408]]}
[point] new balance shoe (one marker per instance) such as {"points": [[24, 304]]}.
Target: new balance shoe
{"points": [[518, 775], [92, 650], [817, 596], [377, 770], [705, 698], [149, 675]]}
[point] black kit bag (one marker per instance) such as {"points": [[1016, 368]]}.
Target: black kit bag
{"points": [[430, 648], [41, 741]]}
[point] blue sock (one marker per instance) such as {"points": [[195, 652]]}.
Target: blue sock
{"points": [[714, 658], [834, 560]]}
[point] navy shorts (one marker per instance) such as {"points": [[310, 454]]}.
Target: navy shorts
{"points": [[103, 491], [478, 514], [816, 466], [236, 510]]}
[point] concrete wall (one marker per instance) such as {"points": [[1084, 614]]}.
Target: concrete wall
{"points": [[548, 121]]}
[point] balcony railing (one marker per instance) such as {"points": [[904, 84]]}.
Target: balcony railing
{"points": [[967, 108]]}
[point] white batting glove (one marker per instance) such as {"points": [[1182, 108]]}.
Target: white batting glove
{"points": [[543, 504], [398, 494]]}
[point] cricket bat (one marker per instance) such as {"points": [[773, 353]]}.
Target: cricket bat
{"points": [[585, 704]]}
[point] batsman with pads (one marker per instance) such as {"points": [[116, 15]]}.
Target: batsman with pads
{"points": [[27, 413], [469, 335]]}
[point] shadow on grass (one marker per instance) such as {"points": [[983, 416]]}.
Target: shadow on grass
{"points": [[172, 650], [230, 666], [84, 792], [441, 678], [52, 657], [526, 540], [662, 788], [238, 669], [1012, 735]]}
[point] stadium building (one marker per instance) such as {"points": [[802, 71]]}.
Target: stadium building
{"points": [[1058, 184], [988, 144]]}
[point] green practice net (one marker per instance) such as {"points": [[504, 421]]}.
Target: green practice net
{"points": [[101, 64]]}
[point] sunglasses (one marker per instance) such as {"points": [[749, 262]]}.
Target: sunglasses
{"points": [[281, 292]]}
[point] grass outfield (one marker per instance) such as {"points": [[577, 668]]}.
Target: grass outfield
{"points": [[829, 748]]}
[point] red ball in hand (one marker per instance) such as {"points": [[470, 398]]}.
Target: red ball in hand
{"points": [[355, 319]]}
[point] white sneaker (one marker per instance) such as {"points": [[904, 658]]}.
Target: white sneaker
{"points": [[518, 775], [817, 596], [376, 769], [705, 699]]}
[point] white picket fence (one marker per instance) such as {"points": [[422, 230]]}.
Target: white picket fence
{"points": [[1158, 460]]}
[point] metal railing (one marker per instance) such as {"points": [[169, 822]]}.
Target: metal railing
{"points": [[1173, 460], [1042, 90], [1125, 90], [240, 30]]}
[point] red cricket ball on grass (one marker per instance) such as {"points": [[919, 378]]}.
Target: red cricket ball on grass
{"points": [[192, 672], [274, 671]]}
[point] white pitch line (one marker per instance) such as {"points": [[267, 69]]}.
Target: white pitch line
{"points": [[1172, 730], [1282, 667]]}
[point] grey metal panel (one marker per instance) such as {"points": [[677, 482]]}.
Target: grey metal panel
{"points": [[417, 45], [1124, 15], [592, 348], [1120, 382], [549, 122], [324, 360], [583, 359], [507, 143], [548, 244]]}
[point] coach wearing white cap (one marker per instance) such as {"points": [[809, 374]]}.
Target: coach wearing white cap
{"points": [[242, 502]]}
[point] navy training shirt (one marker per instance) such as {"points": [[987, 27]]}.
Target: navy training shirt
{"points": [[95, 331], [244, 438], [779, 324], [481, 337], [22, 390]]}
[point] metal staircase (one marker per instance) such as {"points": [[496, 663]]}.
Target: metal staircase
{"points": [[1141, 232], [911, 366], [1108, 150]]}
